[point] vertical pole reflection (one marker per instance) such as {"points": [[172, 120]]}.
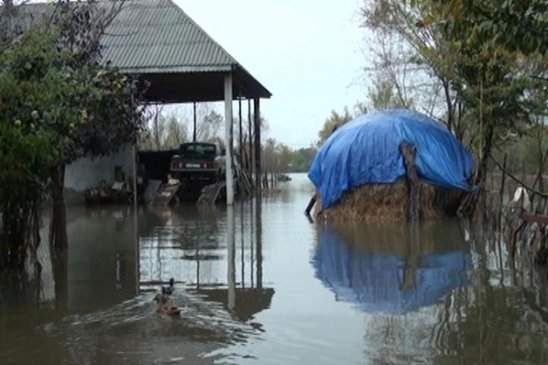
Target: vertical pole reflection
{"points": [[231, 264], [137, 247], [59, 258], [258, 242], [411, 261], [252, 245], [242, 253], [136, 220]]}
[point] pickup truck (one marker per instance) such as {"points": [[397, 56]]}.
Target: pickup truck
{"points": [[198, 162]]}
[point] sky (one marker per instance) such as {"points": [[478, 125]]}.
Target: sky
{"points": [[308, 53]]}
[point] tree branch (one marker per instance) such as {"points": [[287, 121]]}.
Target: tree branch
{"points": [[531, 189]]}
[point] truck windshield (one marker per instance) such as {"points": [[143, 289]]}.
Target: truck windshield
{"points": [[198, 150]]}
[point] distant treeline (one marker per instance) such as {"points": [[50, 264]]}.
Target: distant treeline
{"points": [[301, 159]]}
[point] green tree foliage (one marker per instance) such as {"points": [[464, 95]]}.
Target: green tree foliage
{"points": [[334, 121], [25, 157], [490, 56], [89, 111], [383, 95], [276, 160], [57, 104], [302, 158]]}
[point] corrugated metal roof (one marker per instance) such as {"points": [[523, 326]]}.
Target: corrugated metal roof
{"points": [[156, 36]]}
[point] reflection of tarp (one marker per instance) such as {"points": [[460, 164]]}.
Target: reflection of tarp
{"points": [[377, 281], [366, 150]]}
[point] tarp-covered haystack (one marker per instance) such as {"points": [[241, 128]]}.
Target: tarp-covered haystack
{"points": [[362, 172]]}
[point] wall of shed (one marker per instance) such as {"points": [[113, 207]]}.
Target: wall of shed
{"points": [[86, 173]]}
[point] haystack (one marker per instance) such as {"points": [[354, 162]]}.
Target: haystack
{"points": [[390, 203], [389, 165]]}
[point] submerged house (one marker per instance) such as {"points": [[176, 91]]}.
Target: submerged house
{"points": [[180, 62], [384, 164]]}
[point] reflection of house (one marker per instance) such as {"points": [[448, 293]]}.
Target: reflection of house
{"points": [[246, 297], [159, 42], [100, 268], [248, 301], [217, 261], [109, 271]]}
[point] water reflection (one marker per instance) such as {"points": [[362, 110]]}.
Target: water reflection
{"points": [[216, 254], [99, 267], [392, 270], [95, 303], [250, 295], [101, 259]]}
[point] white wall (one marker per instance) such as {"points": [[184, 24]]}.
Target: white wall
{"points": [[86, 172]]}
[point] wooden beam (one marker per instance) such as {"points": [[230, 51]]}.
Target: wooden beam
{"points": [[257, 127], [229, 140], [540, 219]]}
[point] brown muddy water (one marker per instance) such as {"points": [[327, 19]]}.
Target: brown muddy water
{"points": [[263, 285]]}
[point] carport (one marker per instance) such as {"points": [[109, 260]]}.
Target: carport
{"points": [[181, 63]]}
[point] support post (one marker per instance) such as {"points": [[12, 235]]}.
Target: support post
{"points": [[194, 124], [501, 191], [409, 151], [257, 126], [229, 140], [240, 134], [250, 141], [134, 180]]}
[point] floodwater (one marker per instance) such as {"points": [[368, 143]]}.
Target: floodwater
{"points": [[260, 284]]}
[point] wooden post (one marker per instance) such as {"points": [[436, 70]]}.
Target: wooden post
{"points": [[257, 126], [134, 180], [194, 130], [310, 205], [240, 136], [413, 188], [250, 141], [501, 191], [229, 140]]}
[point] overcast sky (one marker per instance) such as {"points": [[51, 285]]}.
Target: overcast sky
{"points": [[308, 53]]}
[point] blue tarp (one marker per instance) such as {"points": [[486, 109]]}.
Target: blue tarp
{"points": [[375, 281], [366, 150]]}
